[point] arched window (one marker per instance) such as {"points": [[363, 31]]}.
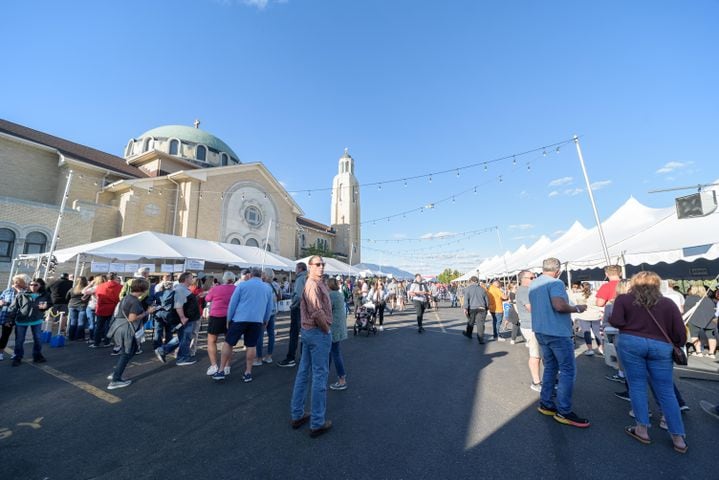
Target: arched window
{"points": [[252, 243], [302, 240], [174, 147], [7, 244], [269, 249], [35, 242], [223, 160], [235, 241], [340, 194], [147, 144], [201, 153]]}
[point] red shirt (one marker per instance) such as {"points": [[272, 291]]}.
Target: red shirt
{"points": [[108, 295], [608, 291]]}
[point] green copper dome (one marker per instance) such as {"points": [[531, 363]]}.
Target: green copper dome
{"points": [[190, 135]]}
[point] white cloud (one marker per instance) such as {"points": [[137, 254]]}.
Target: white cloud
{"points": [[523, 194], [573, 191], [521, 226], [437, 235], [600, 184], [553, 193], [558, 182], [671, 166]]}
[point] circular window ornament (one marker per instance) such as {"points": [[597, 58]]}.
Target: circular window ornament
{"points": [[253, 216]]}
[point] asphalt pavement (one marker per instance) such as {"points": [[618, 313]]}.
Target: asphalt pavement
{"points": [[418, 406]]}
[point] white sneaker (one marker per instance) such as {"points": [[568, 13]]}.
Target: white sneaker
{"points": [[212, 370], [227, 370], [257, 363], [267, 360], [381, 328], [589, 353]]}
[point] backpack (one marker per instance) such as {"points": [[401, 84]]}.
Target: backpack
{"points": [[166, 311]]}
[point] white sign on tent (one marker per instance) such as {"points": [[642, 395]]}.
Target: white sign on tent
{"points": [[99, 267], [191, 264]]}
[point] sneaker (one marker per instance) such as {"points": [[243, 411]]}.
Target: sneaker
{"points": [[267, 360], [710, 408], [247, 377], [381, 328], [684, 408], [467, 334], [338, 386], [160, 354], [545, 410], [616, 378], [287, 362], [572, 419], [115, 353], [257, 363], [212, 370], [512, 342], [537, 387], [316, 432], [631, 414], [501, 339], [139, 351], [39, 359], [2, 357], [623, 396], [120, 384], [227, 370], [218, 376], [109, 377], [589, 353], [183, 363]]}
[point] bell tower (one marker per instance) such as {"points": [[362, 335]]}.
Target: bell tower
{"points": [[346, 209]]}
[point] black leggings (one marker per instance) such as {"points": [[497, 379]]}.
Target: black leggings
{"points": [[380, 313], [419, 308], [6, 331]]}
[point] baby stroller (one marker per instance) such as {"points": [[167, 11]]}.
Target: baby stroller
{"points": [[365, 317]]}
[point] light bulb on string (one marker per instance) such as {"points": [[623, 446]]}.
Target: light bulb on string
{"points": [[529, 167], [458, 173], [500, 179], [475, 190], [405, 183], [200, 195], [485, 167], [430, 178], [453, 199], [557, 150], [379, 186], [544, 153], [222, 196], [514, 160], [309, 193]]}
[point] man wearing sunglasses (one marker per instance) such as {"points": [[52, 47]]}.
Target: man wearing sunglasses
{"points": [[316, 313]]}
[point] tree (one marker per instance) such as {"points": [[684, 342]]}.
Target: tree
{"points": [[315, 250], [448, 275]]}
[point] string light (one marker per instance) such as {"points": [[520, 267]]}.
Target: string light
{"points": [[485, 167], [405, 183], [514, 160], [458, 173], [430, 178]]}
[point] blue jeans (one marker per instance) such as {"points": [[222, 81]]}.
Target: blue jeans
{"points": [[558, 357], [183, 339], [90, 315], [270, 329], [77, 323], [648, 360], [161, 332], [20, 332], [496, 322], [316, 347], [122, 362], [337, 357]]}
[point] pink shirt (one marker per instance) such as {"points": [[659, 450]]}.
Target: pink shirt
{"points": [[220, 296]]}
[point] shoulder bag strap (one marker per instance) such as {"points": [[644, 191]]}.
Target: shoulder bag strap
{"points": [[658, 325]]}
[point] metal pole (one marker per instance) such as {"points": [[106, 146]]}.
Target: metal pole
{"points": [[77, 266], [12, 270], [55, 234], [504, 255], [569, 276], [349, 267], [267, 239], [602, 239]]}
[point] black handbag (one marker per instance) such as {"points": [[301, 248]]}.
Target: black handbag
{"points": [[678, 355]]}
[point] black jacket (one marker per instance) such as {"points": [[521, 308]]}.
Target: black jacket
{"points": [[25, 310]]}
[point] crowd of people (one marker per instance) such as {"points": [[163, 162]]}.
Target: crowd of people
{"points": [[645, 320]]}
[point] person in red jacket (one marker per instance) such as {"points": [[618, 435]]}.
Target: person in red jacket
{"points": [[108, 296]]}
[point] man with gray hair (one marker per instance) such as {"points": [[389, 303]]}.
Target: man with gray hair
{"points": [[475, 305], [250, 308], [552, 325]]}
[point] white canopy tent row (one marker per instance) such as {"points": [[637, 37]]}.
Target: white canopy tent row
{"points": [[334, 267], [636, 235], [152, 246]]}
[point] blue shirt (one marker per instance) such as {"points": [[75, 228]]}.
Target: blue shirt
{"points": [[545, 319], [251, 302], [8, 296]]}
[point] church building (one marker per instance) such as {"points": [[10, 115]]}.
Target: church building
{"points": [[173, 179]]}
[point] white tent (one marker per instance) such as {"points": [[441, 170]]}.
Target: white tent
{"points": [[334, 266], [151, 245]]}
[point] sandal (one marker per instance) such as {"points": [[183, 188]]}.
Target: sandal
{"points": [[679, 449], [631, 431]]}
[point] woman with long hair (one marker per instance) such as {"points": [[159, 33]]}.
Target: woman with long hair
{"points": [[701, 320], [77, 308], [590, 319], [650, 325]]}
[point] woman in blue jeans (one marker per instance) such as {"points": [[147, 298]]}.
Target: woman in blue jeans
{"points": [[28, 311], [649, 325], [339, 333]]}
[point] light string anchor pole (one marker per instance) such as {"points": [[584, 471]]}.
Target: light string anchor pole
{"points": [[56, 233], [600, 230]]}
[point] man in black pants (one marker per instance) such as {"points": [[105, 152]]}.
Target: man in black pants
{"points": [[419, 294], [295, 316], [475, 305]]}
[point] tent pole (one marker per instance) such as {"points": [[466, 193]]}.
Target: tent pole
{"points": [[12, 269], [602, 239], [267, 239], [77, 266], [569, 275]]}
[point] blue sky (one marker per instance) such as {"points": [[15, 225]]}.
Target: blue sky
{"points": [[411, 88]]}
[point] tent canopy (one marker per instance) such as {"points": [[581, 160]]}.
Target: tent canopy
{"points": [[334, 266], [152, 245]]}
